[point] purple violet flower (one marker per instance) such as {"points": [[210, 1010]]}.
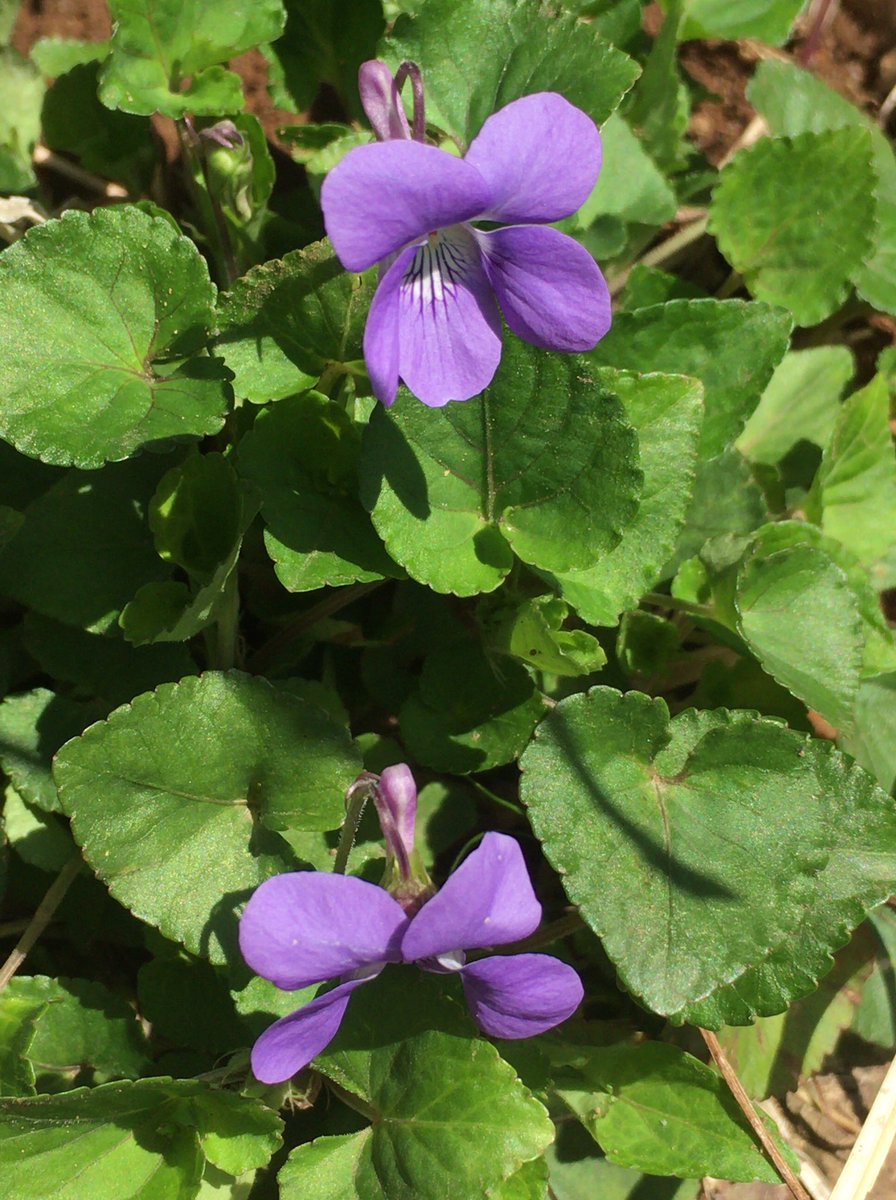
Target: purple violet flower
{"points": [[435, 320], [306, 927]]}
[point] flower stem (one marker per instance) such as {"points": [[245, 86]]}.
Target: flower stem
{"points": [[281, 641], [746, 1105], [41, 919], [227, 633], [358, 796]]}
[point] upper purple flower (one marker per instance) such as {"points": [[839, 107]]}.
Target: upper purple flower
{"points": [[435, 320], [306, 927]]}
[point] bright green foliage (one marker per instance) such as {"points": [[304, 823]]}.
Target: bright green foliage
{"points": [[81, 1030], [794, 101], [860, 836], [33, 725], [21, 95], [533, 632], [479, 55], [768, 20], [442, 1105], [37, 837], [794, 216], [657, 1108], [667, 414], [873, 738], [285, 323], [158, 46], [800, 402], [221, 762], [630, 184], [817, 651], [133, 1141], [303, 456], [473, 720], [112, 310], [84, 547], [198, 515], [324, 41], [854, 492], [731, 346], [457, 492], [716, 816]]}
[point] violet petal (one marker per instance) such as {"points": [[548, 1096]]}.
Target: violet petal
{"points": [[306, 926], [292, 1042], [383, 196], [381, 331], [381, 101], [449, 324], [487, 901], [550, 288], [540, 157], [521, 995]]}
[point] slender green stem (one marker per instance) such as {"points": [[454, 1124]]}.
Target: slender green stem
{"points": [[227, 631], [358, 797], [554, 931], [206, 203], [516, 808], [41, 919]]}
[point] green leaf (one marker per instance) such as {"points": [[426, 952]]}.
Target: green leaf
{"points": [[21, 96], [439, 1101], [875, 1017], [84, 547], [187, 1002], [132, 1140], [479, 55], [794, 101], [19, 1011], [80, 1026], [726, 501], [56, 56], [766, 20], [873, 738], [631, 185], [542, 465], [173, 819], [159, 44], [112, 144], [794, 216], [578, 1172], [287, 321], [653, 1107], [107, 310], [860, 839], [325, 41], [532, 631], [530, 1182], [731, 346], [38, 838], [660, 107], [302, 454], [469, 720], [801, 402], [198, 515], [713, 818], [855, 488], [33, 725], [667, 415], [107, 667], [799, 616]]}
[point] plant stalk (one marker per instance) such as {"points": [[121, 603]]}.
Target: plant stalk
{"points": [[41, 919]]}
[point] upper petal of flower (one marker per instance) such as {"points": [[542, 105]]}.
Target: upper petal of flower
{"points": [[550, 288], [396, 805], [307, 926], [521, 995], [291, 1043], [383, 196], [487, 901], [449, 327], [540, 157]]}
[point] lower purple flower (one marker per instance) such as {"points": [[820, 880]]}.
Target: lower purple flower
{"points": [[307, 927]]}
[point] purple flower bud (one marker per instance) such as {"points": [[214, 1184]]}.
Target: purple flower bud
{"points": [[223, 133], [396, 805], [381, 101]]}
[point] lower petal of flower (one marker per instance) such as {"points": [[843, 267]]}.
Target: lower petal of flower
{"points": [[292, 1042], [550, 288], [449, 324], [381, 330], [521, 995]]}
